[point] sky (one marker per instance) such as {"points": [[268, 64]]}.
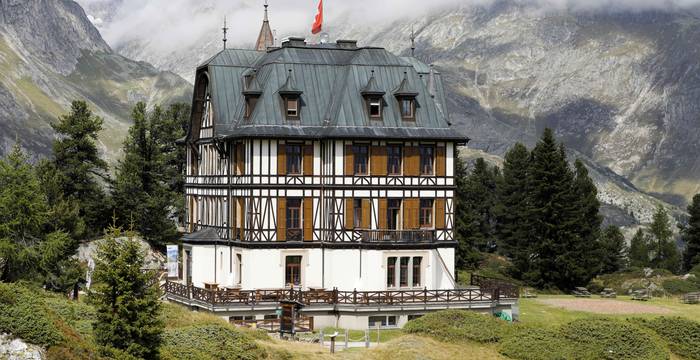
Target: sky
{"points": [[166, 24]]}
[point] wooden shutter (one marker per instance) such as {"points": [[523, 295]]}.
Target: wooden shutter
{"points": [[410, 214], [241, 217], [232, 217], [378, 161], [281, 219], [381, 214], [439, 213], [281, 159], [440, 161], [349, 171], [308, 160], [366, 212], [308, 219], [412, 166], [349, 213], [240, 159]]}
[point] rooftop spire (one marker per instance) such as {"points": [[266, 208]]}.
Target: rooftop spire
{"points": [[225, 29], [265, 38]]}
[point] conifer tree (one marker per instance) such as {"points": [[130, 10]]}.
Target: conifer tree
{"points": [[639, 250], [480, 198], [613, 250], [691, 236], [512, 210], [141, 191], [79, 166], [126, 299], [664, 251], [466, 224]]}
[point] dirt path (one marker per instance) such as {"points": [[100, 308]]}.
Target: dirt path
{"points": [[605, 306]]}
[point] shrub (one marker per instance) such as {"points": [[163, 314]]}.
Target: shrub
{"points": [[211, 341], [611, 339], [679, 286], [24, 315], [536, 344], [682, 335], [458, 325]]}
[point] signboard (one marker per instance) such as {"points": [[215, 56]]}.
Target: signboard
{"points": [[172, 252], [287, 318]]}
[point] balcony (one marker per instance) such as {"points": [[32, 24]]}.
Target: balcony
{"points": [[398, 236]]}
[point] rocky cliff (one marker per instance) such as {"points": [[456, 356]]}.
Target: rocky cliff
{"points": [[51, 54]]}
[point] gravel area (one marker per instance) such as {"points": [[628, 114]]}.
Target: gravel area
{"points": [[605, 306]]}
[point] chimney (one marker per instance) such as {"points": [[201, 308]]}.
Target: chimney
{"points": [[347, 44], [294, 42]]}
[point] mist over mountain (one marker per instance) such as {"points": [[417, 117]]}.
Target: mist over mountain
{"points": [[51, 54], [618, 81]]}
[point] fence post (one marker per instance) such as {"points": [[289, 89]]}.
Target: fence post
{"points": [[354, 296], [346, 338], [321, 337], [367, 338], [425, 294], [335, 295]]}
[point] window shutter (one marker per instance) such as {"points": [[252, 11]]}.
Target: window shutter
{"points": [[232, 217], [410, 211], [412, 161], [378, 161], [439, 213], [281, 219], [308, 219], [366, 211], [281, 159], [382, 214], [240, 158], [440, 161], [308, 160], [349, 213], [348, 161]]}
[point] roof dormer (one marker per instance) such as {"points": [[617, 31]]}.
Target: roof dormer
{"points": [[251, 93], [406, 96], [374, 98], [291, 98]]}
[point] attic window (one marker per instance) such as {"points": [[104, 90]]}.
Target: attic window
{"points": [[250, 102], [292, 108], [375, 107], [407, 108]]}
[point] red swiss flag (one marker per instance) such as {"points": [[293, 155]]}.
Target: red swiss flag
{"points": [[316, 27]]}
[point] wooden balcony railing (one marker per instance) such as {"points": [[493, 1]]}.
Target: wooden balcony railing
{"points": [[500, 287], [335, 296], [398, 236]]}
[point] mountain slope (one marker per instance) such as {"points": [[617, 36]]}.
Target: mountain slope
{"points": [[51, 54]]}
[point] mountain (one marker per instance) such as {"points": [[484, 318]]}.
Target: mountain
{"points": [[51, 54], [621, 88]]}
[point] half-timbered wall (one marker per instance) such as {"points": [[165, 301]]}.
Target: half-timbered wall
{"points": [[240, 187]]}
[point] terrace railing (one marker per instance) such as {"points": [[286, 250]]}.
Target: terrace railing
{"points": [[501, 288], [398, 236], [228, 296]]}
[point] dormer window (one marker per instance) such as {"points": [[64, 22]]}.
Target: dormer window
{"points": [[375, 107], [251, 93], [291, 98], [406, 96], [292, 108], [407, 109]]}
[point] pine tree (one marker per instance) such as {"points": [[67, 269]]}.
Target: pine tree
{"points": [[639, 250], [587, 223], [126, 299], [480, 198], [691, 235], [141, 190], [512, 210], [23, 213], [665, 253], [466, 224], [79, 165], [613, 250]]}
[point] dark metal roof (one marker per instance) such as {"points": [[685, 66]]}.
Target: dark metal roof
{"points": [[330, 81], [206, 234]]}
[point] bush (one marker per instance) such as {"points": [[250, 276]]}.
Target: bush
{"points": [[536, 344], [458, 325], [682, 335], [611, 339], [679, 286], [584, 339], [23, 314], [210, 341]]}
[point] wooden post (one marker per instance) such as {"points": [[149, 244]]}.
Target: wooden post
{"points": [[333, 344], [367, 338], [346, 338], [320, 340]]}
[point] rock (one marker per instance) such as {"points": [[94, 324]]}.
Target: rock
{"points": [[154, 259], [16, 349]]}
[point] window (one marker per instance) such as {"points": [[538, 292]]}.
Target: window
{"points": [[391, 272], [407, 108], [294, 219], [392, 213], [239, 275], [426, 213], [361, 158], [427, 152], [382, 321], [357, 213], [393, 158], [375, 107], [403, 272], [415, 278], [270, 316], [293, 159], [242, 318], [292, 273], [292, 108], [249, 106]]}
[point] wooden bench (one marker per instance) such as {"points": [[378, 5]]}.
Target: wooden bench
{"points": [[581, 292], [692, 298], [641, 295]]}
